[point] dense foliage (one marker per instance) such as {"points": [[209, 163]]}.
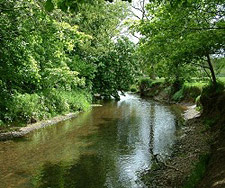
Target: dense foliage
{"points": [[182, 37], [116, 69], [51, 62], [57, 54]]}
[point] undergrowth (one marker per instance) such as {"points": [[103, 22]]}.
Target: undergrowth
{"points": [[29, 108], [189, 91], [198, 172]]}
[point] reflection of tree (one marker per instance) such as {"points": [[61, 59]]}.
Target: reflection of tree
{"points": [[117, 153], [152, 126], [88, 172], [51, 176]]}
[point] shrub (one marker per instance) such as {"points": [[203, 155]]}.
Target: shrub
{"points": [[144, 84], [198, 103], [29, 108], [145, 81], [213, 100], [211, 89], [133, 88], [1, 123], [59, 101], [77, 100], [24, 107], [178, 96], [54, 102]]}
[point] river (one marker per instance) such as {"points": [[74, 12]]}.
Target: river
{"points": [[109, 146]]}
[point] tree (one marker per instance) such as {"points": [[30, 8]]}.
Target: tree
{"points": [[51, 59], [71, 5], [102, 21], [184, 33], [35, 47], [116, 69]]}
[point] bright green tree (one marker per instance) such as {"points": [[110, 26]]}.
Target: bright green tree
{"points": [[184, 33], [34, 64], [116, 69]]}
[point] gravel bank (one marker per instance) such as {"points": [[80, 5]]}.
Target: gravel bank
{"points": [[31, 127], [192, 142]]}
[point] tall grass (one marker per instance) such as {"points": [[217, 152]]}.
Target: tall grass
{"points": [[189, 91]]}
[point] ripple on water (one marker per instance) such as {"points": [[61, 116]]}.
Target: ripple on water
{"points": [[106, 147]]}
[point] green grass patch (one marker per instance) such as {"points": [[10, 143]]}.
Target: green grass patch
{"points": [[189, 91], [198, 172], [200, 85]]}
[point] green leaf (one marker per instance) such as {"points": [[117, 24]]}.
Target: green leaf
{"points": [[49, 6]]}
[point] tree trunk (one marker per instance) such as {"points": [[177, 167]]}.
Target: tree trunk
{"points": [[211, 70]]}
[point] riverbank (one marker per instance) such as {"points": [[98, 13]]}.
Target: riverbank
{"points": [[20, 132], [197, 159], [191, 145], [198, 155], [215, 174]]}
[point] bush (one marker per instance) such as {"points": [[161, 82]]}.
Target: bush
{"points": [[198, 103], [1, 123], [210, 94], [24, 107], [179, 95], [55, 103], [213, 100], [77, 100], [134, 88], [211, 89], [144, 84], [145, 81], [59, 101], [29, 108]]}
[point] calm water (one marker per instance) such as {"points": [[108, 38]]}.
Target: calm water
{"points": [[107, 147]]}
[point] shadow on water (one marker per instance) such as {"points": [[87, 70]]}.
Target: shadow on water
{"points": [[106, 147], [86, 172]]}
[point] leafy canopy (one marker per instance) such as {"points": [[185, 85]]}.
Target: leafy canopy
{"points": [[178, 35]]}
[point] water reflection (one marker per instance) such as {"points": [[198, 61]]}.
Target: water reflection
{"points": [[88, 171], [106, 147]]}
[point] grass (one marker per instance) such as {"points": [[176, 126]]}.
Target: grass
{"points": [[198, 172], [189, 91], [200, 85]]}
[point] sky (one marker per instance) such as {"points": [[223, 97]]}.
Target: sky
{"points": [[135, 3]]}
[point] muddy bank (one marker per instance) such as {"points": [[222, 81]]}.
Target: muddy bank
{"points": [[198, 158], [31, 127], [215, 174], [192, 143], [214, 115]]}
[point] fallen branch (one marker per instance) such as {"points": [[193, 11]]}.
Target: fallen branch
{"points": [[164, 163]]}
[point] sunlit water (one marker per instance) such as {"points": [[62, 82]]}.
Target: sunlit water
{"points": [[110, 146]]}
